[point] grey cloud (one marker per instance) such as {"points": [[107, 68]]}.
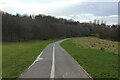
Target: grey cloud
{"points": [[96, 8]]}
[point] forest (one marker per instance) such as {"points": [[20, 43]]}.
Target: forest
{"points": [[18, 27]]}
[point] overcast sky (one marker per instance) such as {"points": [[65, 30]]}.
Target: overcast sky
{"points": [[79, 10]]}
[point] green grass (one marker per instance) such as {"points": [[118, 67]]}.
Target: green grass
{"points": [[17, 57], [98, 63]]}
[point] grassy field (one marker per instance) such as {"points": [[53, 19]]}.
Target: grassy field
{"points": [[18, 56], [100, 61]]}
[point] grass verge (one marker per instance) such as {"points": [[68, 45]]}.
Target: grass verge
{"points": [[98, 63], [18, 56]]}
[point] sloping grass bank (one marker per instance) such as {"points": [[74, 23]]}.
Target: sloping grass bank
{"points": [[97, 62]]}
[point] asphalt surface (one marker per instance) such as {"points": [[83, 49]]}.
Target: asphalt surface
{"points": [[55, 62]]}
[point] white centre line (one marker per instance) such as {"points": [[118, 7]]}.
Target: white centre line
{"points": [[52, 75]]}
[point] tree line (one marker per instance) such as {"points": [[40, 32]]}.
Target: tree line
{"points": [[41, 27]]}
